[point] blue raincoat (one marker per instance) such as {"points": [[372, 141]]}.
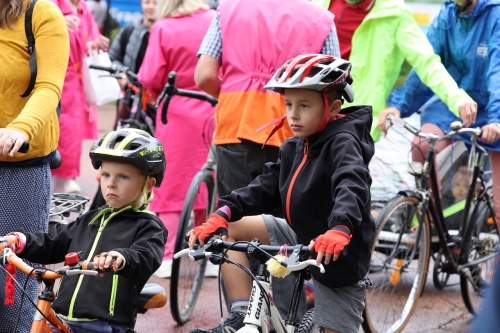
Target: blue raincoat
{"points": [[469, 47]]}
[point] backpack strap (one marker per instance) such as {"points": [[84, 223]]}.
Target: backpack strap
{"points": [[28, 22]]}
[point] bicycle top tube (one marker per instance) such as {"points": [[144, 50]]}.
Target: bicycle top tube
{"points": [[475, 132], [11, 257]]}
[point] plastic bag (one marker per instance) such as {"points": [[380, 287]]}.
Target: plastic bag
{"points": [[100, 87]]}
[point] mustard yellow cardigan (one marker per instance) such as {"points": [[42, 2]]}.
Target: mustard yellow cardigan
{"points": [[34, 115]]}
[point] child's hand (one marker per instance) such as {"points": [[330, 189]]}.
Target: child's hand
{"points": [[103, 261], [331, 242]]}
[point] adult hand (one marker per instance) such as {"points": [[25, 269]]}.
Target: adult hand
{"points": [[123, 81], [468, 112], [491, 133], [100, 43], [215, 225], [73, 22], [10, 141], [330, 243], [103, 260], [382, 117]]}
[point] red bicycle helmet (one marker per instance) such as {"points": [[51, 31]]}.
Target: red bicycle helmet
{"points": [[318, 72]]}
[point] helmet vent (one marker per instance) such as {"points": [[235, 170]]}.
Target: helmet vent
{"points": [[134, 146]]}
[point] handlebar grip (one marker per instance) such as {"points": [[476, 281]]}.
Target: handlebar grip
{"points": [[164, 108], [23, 149], [89, 265], [103, 68]]}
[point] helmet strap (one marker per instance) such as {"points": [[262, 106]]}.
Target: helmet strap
{"points": [[147, 199], [326, 118]]}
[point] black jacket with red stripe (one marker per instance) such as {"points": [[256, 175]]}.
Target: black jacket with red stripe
{"points": [[322, 182]]}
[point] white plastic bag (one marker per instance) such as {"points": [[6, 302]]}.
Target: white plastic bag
{"points": [[100, 87]]}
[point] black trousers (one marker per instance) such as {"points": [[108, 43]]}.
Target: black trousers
{"points": [[237, 166]]}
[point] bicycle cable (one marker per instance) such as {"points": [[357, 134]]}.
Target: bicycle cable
{"points": [[22, 299], [245, 269], [25, 294]]}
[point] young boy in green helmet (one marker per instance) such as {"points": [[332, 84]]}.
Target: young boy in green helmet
{"points": [[131, 163]]}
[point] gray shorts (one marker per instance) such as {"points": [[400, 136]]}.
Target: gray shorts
{"points": [[339, 309]]}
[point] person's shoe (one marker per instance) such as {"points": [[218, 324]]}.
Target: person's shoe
{"points": [[165, 270], [232, 324], [73, 187], [211, 270]]}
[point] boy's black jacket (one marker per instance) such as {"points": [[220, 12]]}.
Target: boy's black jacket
{"points": [[332, 188], [139, 236]]}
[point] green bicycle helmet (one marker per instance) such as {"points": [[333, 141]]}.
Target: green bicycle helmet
{"points": [[131, 146]]}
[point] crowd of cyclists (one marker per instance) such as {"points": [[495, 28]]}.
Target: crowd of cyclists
{"points": [[326, 68]]}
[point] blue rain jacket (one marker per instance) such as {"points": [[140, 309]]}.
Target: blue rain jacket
{"points": [[469, 47]]}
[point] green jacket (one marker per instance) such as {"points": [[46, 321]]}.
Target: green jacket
{"points": [[387, 36]]}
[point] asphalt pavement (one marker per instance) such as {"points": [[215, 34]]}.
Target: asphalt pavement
{"points": [[437, 311]]}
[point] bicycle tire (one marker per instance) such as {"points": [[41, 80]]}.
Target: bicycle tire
{"points": [[306, 324], [481, 238], [187, 275], [398, 270]]}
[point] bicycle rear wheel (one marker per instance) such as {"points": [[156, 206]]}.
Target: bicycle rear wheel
{"points": [[187, 275], [398, 267], [481, 239]]}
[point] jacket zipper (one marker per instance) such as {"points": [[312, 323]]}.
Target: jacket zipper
{"points": [[104, 222], [292, 183], [113, 295]]}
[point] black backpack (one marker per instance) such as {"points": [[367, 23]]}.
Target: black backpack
{"points": [[28, 23]]}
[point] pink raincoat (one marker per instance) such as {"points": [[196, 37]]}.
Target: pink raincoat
{"points": [[78, 120], [172, 46]]}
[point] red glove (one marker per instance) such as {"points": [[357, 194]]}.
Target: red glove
{"points": [[215, 225], [332, 241]]}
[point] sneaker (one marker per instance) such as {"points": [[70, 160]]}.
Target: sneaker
{"points": [[73, 187], [165, 270], [211, 270], [232, 324]]}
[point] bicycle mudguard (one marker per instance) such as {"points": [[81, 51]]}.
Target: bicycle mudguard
{"points": [[411, 193]]}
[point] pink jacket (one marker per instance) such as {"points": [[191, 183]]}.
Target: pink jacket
{"points": [[78, 120], [173, 44], [251, 54]]}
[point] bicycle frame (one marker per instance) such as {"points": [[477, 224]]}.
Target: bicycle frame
{"points": [[45, 300], [262, 310]]}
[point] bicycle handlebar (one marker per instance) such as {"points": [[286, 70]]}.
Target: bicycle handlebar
{"points": [[292, 263], [82, 267], [170, 90], [456, 129], [114, 70]]}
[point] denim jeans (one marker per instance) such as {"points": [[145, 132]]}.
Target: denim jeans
{"points": [[237, 166]]}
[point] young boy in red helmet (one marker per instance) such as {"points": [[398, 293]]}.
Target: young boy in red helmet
{"points": [[323, 183]]}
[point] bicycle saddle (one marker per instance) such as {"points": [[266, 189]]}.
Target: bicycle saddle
{"points": [[152, 296]]}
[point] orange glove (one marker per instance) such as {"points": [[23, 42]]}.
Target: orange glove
{"points": [[215, 225], [332, 242]]}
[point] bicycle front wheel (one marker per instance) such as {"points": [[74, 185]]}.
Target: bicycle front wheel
{"points": [[187, 275], [398, 267], [480, 240]]}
